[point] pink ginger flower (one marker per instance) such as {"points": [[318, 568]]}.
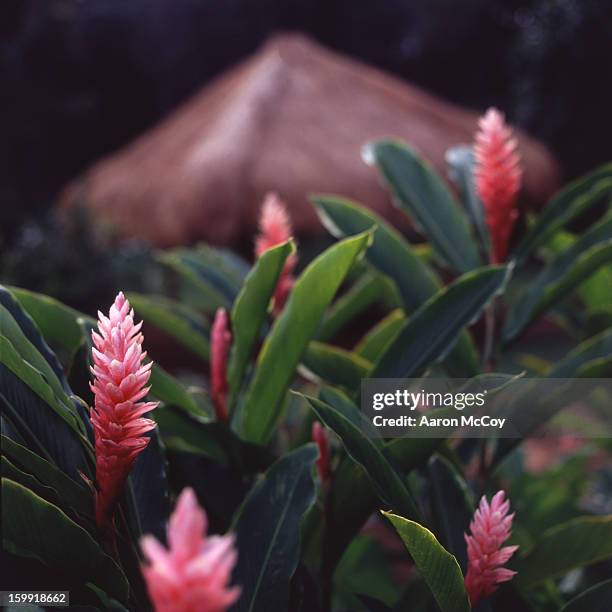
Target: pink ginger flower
{"points": [[119, 385], [274, 229], [221, 341], [193, 573], [498, 177], [320, 437], [490, 528]]}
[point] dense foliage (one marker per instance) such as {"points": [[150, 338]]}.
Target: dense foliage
{"points": [[311, 539]]}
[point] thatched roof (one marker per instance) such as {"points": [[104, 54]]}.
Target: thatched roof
{"points": [[291, 119]]}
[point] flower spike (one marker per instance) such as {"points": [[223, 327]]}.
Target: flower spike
{"points": [[194, 572], [498, 177], [119, 384], [274, 229], [221, 341], [489, 529]]}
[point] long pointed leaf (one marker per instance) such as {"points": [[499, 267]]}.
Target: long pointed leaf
{"points": [[392, 255], [437, 566], [565, 205], [566, 271], [595, 599], [268, 532], [574, 544], [250, 309], [335, 365], [383, 476], [32, 527], [460, 160], [433, 330], [290, 335], [180, 322], [372, 345], [427, 200]]}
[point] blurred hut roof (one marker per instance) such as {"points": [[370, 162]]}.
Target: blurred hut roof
{"points": [[292, 119]]}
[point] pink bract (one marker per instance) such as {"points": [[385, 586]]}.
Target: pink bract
{"points": [[119, 384], [490, 528], [498, 177], [274, 229], [193, 573], [220, 340]]}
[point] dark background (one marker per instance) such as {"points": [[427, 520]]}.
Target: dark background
{"points": [[79, 79]]}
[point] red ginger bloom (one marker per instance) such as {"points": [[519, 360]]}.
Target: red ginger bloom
{"points": [[220, 343], [274, 229], [498, 176], [490, 528], [193, 574], [320, 437], [119, 384]]}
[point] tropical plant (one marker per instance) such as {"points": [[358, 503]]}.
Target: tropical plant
{"points": [[82, 485]]}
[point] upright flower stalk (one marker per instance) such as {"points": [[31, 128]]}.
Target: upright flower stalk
{"points": [[119, 384], [193, 573], [489, 529], [274, 229], [498, 176], [321, 439], [221, 341]]}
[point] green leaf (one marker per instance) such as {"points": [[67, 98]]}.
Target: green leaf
{"points": [[341, 402], [598, 368], [32, 527], [390, 252], [368, 290], [268, 532], [250, 310], [354, 497], [291, 332], [107, 603], [383, 477], [594, 349], [21, 347], [180, 322], [48, 427], [579, 542], [57, 322], [213, 276], [433, 330], [460, 160], [427, 200], [149, 484], [566, 205], [392, 255], [573, 266], [36, 380], [27, 337], [72, 493], [595, 291], [438, 567], [373, 344], [595, 599], [188, 433], [452, 506], [583, 362], [367, 571], [12, 472], [170, 390], [335, 365]]}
